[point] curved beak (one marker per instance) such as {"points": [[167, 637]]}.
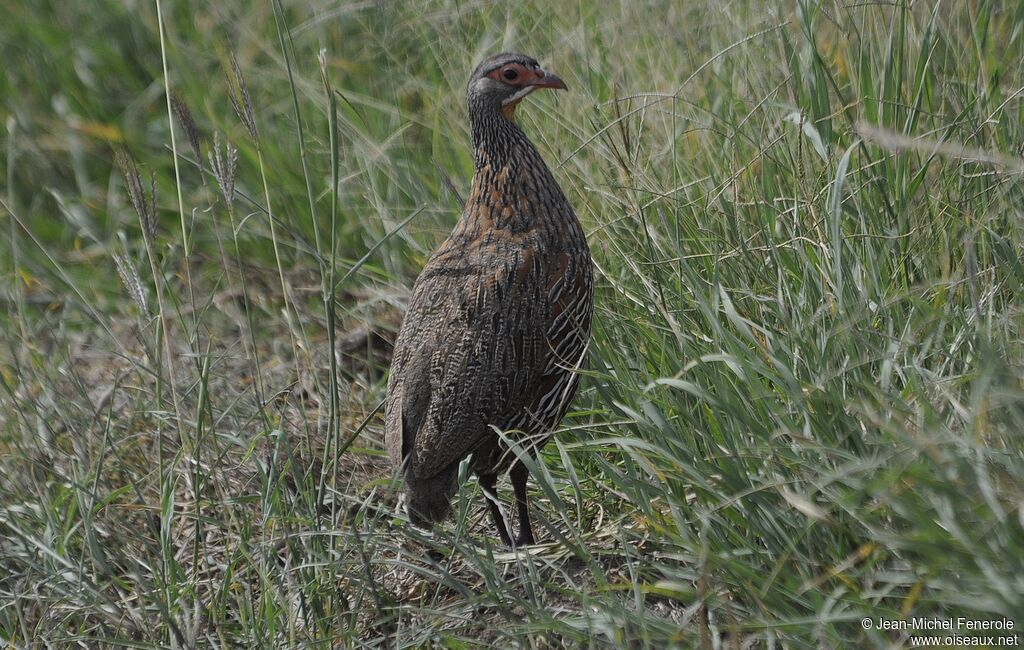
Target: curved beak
{"points": [[545, 79], [541, 79]]}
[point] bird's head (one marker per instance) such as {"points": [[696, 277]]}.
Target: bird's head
{"points": [[501, 81]]}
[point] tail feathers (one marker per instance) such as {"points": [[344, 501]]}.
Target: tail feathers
{"points": [[429, 499]]}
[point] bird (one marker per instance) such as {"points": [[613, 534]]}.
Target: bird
{"points": [[498, 323]]}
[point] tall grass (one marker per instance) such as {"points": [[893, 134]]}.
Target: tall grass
{"points": [[803, 404]]}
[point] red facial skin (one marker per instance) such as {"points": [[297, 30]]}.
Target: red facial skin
{"points": [[526, 76]]}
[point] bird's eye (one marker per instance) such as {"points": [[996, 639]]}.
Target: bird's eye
{"points": [[510, 74]]}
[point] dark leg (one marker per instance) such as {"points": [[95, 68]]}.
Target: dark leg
{"points": [[487, 483], [519, 475]]}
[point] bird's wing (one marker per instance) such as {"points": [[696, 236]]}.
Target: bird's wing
{"points": [[571, 298], [477, 355], [409, 383]]}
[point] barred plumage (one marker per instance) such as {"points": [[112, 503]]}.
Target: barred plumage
{"points": [[499, 319]]}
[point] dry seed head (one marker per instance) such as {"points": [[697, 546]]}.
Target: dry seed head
{"points": [[238, 93], [133, 182], [188, 124], [321, 58], [132, 282], [224, 167]]}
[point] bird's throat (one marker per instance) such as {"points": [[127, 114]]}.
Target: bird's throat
{"points": [[509, 111], [496, 136]]}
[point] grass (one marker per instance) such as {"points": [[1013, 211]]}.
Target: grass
{"points": [[803, 405]]}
